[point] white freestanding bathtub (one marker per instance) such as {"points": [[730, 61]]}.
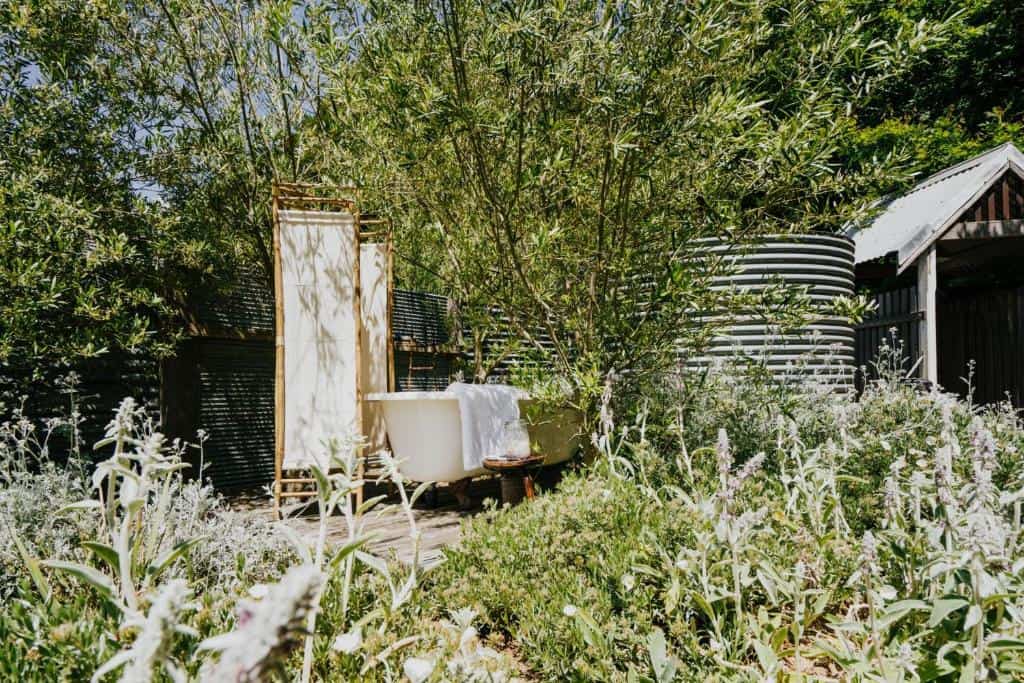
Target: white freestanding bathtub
{"points": [[425, 431]]}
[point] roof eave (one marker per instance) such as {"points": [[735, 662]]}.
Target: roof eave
{"points": [[926, 236]]}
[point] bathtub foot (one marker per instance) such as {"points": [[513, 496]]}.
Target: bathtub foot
{"points": [[460, 489], [430, 497]]}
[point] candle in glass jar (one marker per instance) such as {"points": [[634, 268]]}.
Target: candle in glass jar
{"points": [[517, 439]]}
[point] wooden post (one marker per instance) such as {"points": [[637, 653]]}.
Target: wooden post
{"points": [[391, 309], [278, 357], [927, 283], [358, 310]]}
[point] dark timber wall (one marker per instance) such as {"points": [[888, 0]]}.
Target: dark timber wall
{"points": [[1005, 201], [895, 322], [983, 326], [100, 386]]}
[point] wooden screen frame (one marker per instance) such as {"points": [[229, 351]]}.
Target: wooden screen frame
{"points": [[308, 197]]}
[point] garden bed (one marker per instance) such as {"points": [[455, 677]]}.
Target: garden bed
{"points": [[752, 532]]}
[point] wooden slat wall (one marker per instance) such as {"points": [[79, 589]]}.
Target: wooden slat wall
{"points": [[103, 383], [896, 318], [983, 326], [236, 407], [1005, 201]]}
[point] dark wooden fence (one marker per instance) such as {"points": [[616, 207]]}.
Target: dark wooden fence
{"points": [[99, 386], [980, 338], [222, 379], [983, 326], [895, 321]]}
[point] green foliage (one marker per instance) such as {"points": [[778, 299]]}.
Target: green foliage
{"points": [[63, 641], [540, 157], [79, 253], [959, 99], [137, 149], [559, 160], [875, 539], [521, 568], [751, 573]]}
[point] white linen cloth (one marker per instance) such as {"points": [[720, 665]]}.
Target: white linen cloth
{"points": [[319, 253], [483, 410]]}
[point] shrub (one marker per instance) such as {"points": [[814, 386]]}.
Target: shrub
{"points": [[833, 552], [147, 575], [870, 539]]}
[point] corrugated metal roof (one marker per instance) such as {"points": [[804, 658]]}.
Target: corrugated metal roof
{"points": [[911, 222]]}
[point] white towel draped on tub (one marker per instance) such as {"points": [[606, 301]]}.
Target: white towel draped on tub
{"points": [[484, 409]]}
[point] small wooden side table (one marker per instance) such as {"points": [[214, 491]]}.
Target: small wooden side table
{"points": [[516, 476]]}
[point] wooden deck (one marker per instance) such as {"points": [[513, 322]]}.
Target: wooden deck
{"points": [[439, 526]]}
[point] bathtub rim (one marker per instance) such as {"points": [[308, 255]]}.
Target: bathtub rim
{"points": [[381, 396]]}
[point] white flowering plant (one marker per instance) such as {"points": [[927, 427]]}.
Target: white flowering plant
{"points": [[870, 538]]}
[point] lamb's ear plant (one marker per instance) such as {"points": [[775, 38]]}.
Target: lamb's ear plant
{"points": [[266, 630], [663, 665], [952, 542], [400, 590], [337, 479], [134, 488], [152, 648]]}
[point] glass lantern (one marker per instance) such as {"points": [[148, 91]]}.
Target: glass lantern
{"points": [[515, 441]]}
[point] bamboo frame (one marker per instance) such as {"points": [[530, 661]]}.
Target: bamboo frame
{"points": [[358, 305], [391, 311], [278, 355], [301, 196]]}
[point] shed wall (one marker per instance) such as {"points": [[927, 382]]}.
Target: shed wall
{"points": [[895, 323], [984, 328]]}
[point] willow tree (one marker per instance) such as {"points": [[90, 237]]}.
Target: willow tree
{"points": [[559, 159], [79, 248], [138, 143]]}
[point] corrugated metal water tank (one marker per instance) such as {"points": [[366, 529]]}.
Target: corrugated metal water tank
{"points": [[820, 265]]}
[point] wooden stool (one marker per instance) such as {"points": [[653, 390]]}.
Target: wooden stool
{"points": [[516, 478]]}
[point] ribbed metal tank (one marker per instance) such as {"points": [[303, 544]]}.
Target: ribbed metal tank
{"points": [[821, 265]]}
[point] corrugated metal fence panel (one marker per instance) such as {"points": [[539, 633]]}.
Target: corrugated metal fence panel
{"points": [[236, 388], [823, 265], [102, 383], [418, 317], [233, 381], [236, 408], [503, 350], [248, 304], [894, 323]]}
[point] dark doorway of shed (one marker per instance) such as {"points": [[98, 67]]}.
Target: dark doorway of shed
{"points": [[981, 319]]}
